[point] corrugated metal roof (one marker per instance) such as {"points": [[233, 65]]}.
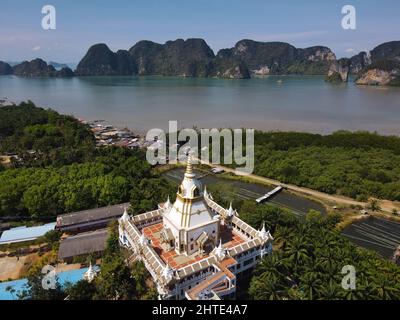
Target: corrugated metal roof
{"points": [[91, 215], [84, 243], [21, 234]]}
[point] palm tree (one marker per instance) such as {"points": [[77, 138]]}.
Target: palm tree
{"points": [[332, 291], [269, 289], [282, 236], [297, 252], [271, 265], [326, 259], [294, 293], [364, 288], [384, 288], [353, 254], [332, 272], [310, 283]]}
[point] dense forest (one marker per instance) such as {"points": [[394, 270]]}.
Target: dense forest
{"points": [[355, 164], [43, 137], [64, 172], [114, 176], [309, 261]]}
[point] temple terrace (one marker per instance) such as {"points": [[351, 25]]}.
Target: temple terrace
{"points": [[194, 248]]}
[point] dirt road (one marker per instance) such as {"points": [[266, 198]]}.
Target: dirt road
{"points": [[385, 205]]}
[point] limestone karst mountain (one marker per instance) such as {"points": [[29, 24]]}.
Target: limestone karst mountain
{"points": [[263, 58], [39, 68], [194, 58], [383, 67], [5, 68]]}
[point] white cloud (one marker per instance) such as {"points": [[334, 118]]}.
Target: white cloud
{"points": [[36, 48], [349, 50]]}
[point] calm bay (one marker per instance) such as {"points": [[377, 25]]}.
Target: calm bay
{"points": [[300, 103]]}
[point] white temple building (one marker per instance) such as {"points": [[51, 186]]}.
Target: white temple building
{"points": [[194, 248], [90, 274]]}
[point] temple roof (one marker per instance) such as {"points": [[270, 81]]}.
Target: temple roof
{"points": [[190, 187], [190, 208], [189, 215]]}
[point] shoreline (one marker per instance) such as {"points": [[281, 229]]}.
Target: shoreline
{"points": [[298, 104]]}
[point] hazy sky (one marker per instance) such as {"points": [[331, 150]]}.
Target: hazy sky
{"points": [[221, 23]]}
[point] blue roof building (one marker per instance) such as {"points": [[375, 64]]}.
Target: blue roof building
{"points": [[21, 234]]}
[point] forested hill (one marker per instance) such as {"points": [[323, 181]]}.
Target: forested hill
{"points": [[114, 175], [60, 170], [49, 137], [355, 164], [343, 139]]}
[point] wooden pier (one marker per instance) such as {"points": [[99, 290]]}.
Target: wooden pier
{"points": [[269, 194]]}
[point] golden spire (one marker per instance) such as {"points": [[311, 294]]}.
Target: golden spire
{"points": [[189, 168]]}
